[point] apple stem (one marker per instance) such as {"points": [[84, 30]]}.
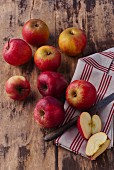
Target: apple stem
{"points": [[42, 113], [36, 25], [8, 44], [48, 53]]}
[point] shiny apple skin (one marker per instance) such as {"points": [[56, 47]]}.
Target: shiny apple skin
{"points": [[17, 87], [52, 84], [80, 128], [72, 41], [81, 94], [47, 58], [49, 112], [35, 32], [17, 52]]}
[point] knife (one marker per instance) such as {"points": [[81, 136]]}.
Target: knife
{"points": [[93, 110]]}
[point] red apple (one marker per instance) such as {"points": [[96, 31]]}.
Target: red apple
{"points": [[52, 84], [17, 87], [49, 112], [47, 58], [35, 32], [72, 41], [17, 52], [81, 94], [88, 125]]}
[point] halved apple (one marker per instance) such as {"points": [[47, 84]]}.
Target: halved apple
{"points": [[97, 144], [88, 125]]}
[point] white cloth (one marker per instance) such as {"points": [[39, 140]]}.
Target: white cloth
{"points": [[99, 70]]}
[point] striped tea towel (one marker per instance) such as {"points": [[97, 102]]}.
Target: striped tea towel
{"points": [[99, 70]]}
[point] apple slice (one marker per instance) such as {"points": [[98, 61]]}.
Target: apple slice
{"points": [[84, 124], [101, 149], [88, 125], [96, 124], [95, 142]]}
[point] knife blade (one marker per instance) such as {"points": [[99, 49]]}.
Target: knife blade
{"points": [[101, 104], [93, 110]]}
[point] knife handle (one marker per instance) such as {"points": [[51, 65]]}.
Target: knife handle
{"points": [[61, 130]]}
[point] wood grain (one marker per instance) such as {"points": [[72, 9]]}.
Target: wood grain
{"points": [[21, 140], [97, 19]]}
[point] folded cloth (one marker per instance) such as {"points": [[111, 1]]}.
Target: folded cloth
{"points": [[99, 70]]}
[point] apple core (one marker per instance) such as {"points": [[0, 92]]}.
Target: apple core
{"points": [[72, 32]]}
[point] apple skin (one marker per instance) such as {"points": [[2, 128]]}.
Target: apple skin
{"points": [[47, 58], [79, 127], [17, 87], [17, 52], [81, 94], [72, 41], [52, 84], [49, 112], [35, 32]]}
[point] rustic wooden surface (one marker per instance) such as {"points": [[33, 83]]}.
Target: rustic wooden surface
{"points": [[21, 140]]}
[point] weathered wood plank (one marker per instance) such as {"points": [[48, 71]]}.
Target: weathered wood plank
{"points": [[21, 140], [97, 19], [64, 19]]}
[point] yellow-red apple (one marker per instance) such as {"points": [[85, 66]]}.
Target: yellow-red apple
{"points": [[72, 41], [17, 87], [47, 58]]}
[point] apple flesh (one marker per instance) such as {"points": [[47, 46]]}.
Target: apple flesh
{"points": [[88, 125], [17, 52], [97, 144], [96, 124], [72, 41], [17, 87], [81, 94], [52, 84], [101, 149], [47, 58], [35, 32], [49, 112]]}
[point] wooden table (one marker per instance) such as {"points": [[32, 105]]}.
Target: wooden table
{"points": [[21, 140]]}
